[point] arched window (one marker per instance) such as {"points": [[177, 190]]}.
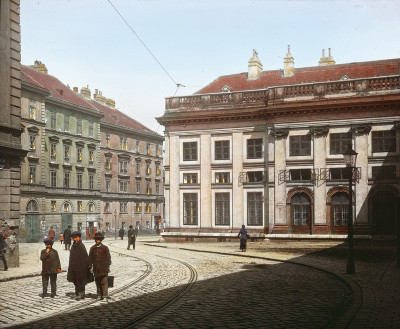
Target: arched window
{"points": [[300, 209], [340, 208], [32, 206]]}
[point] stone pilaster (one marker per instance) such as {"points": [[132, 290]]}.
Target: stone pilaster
{"points": [[237, 168], [205, 219], [174, 199]]}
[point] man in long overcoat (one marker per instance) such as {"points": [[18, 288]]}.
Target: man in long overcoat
{"points": [[131, 237], [67, 237], [3, 246], [51, 266], [52, 234], [78, 266], [99, 264]]}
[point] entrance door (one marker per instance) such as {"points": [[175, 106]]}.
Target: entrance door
{"points": [[66, 219], [300, 213], [384, 213], [32, 226]]}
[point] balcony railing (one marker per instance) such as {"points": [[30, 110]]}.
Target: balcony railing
{"points": [[272, 94]]}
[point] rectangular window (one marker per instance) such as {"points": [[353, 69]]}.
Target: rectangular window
{"points": [[53, 150], [300, 145], [254, 208], [138, 207], [158, 172], [222, 150], [53, 178], [148, 168], [384, 141], [108, 184], [66, 153], [300, 174], [384, 172], [123, 166], [222, 177], [79, 126], [190, 178], [123, 207], [91, 181], [108, 141], [148, 188], [32, 142], [157, 188], [79, 206], [190, 151], [108, 163], [66, 122], [91, 156], [53, 206], [339, 142], [90, 129], [254, 148], [339, 173], [124, 143], [79, 154], [52, 120], [32, 174], [254, 176], [190, 206], [148, 147], [123, 186], [66, 179], [107, 207], [137, 167], [138, 186], [157, 150], [148, 207], [79, 180], [32, 110], [138, 149], [222, 209]]}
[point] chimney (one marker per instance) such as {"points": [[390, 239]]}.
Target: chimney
{"points": [[110, 103], [85, 92], [99, 98], [75, 89], [288, 64], [324, 61], [255, 67], [39, 66]]}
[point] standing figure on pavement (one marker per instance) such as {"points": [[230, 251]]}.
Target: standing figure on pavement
{"points": [[243, 238], [67, 238], [3, 250], [78, 266], [51, 266], [131, 237], [52, 234], [121, 233], [99, 264]]}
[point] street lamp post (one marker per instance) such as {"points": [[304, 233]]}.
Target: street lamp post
{"points": [[115, 223], [350, 158]]}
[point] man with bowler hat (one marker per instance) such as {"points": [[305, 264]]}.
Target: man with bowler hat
{"points": [[99, 264], [131, 237], [78, 266], [67, 238], [51, 266]]}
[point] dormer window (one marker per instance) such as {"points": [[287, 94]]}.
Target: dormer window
{"points": [[226, 89]]}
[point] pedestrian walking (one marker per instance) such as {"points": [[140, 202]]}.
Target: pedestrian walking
{"points": [[3, 246], [243, 238], [78, 266], [51, 266], [121, 233], [61, 238], [67, 237], [131, 237], [99, 265], [52, 234]]}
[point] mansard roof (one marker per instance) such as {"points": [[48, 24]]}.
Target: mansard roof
{"points": [[239, 82], [57, 89], [116, 117]]}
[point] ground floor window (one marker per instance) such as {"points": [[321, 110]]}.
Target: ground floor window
{"points": [[222, 209], [300, 209], [190, 206], [254, 209], [340, 207]]}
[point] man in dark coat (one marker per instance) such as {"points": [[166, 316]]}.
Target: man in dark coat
{"points": [[51, 266], [3, 250], [78, 266], [67, 237], [99, 264], [131, 237], [121, 233]]}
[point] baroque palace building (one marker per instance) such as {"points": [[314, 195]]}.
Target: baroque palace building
{"points": [[264, 149], [63, 181]]}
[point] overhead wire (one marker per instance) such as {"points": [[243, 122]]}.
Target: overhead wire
{"points": [[147, 48]]}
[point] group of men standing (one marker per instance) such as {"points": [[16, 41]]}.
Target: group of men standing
{"points": [[82, 266]]}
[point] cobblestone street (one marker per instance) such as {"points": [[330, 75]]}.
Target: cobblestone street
{"points": [[275, 284]]}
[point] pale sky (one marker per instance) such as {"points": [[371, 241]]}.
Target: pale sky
{"points": [[85, 42]]}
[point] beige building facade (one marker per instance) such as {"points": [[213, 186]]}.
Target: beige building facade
{"points": [[265, 149]]}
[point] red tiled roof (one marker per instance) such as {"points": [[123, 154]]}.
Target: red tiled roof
{"points": [[56, 88], [116, 117], [238, 82]]}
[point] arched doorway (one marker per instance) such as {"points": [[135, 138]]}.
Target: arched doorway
{"points": [[384, 213], [300, 213], [32, 222], [66, 216]]}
